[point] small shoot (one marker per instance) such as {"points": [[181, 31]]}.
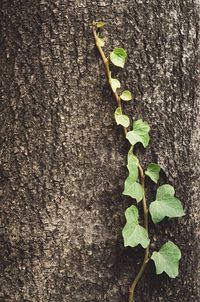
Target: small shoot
{"points": [[100, 41], [115, 84], [121, 119], [99, 24], [126, 96]]}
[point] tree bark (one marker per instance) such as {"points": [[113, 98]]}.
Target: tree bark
{"points": [[63, 159]]}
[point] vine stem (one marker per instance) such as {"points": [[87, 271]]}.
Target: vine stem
{"points": [[142, 176], [108, 72]]}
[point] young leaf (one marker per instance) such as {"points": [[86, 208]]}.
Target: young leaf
{"points": [[118, 57], [121, 119], [140, 133], [165, 205], [132, 232], [153, 171], [99, 24], [126, 95], [115, 84], [133, 189], [100, 41], [167, 259]]}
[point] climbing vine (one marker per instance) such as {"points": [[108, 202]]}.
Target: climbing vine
{"points": [[165, 204]]}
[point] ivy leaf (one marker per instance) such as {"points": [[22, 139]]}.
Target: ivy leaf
{"points": [[118, 57], [132, 232], [99, 24], [100, 41], [153, 171], [126, 95], [139, 134], [121, 119], [132, 158], [133, 189], [114, 83], [167, 259], [165, 205], [133, 167]]}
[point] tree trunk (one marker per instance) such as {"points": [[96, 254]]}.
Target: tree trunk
{"points": [[63, 159]]}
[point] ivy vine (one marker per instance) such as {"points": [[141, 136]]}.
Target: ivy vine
{"points": [[166, 204]]}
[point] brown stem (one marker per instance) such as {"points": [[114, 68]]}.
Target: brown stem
{"points": [[108, 72]]}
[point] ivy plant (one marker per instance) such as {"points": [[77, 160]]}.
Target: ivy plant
{"points": [[165, 204]]}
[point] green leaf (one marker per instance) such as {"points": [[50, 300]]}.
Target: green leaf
{"points": [[139, 134], [167, 259], [165, 205], [114, 83], [118, 57], [133, 167], [133, 189], [126, 95], [121, 119], [100, 41], [132, 158], [153, 171], [99, 24], [132, 232]]}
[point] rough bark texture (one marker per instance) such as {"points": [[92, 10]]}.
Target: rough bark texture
{"points": [[63, 158]]}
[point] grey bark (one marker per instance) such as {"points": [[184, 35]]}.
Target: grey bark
{"points": [[63, 159]]}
